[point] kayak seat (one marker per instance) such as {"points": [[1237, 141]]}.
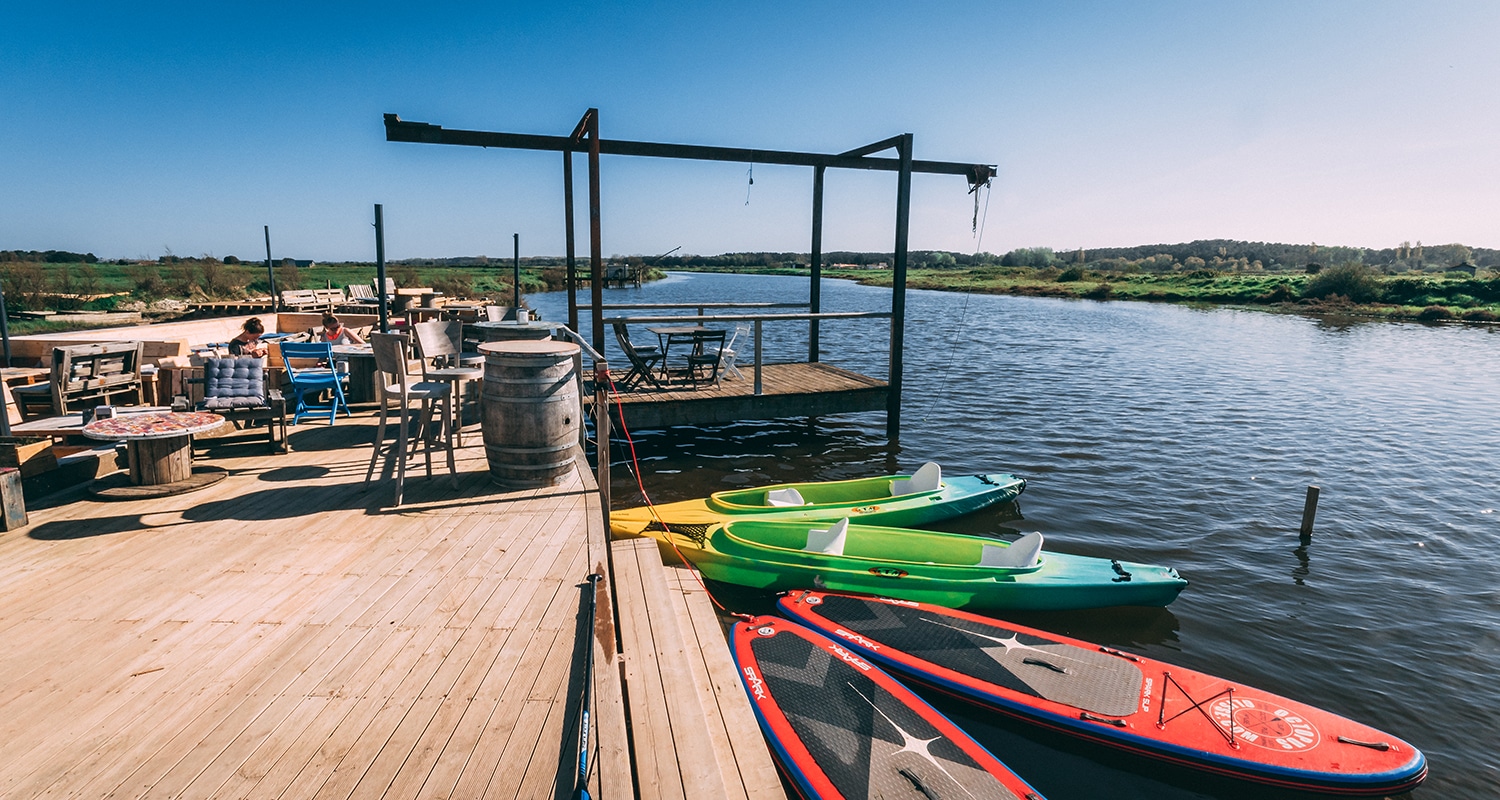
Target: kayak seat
{"points": [[828, 542], [1021, 553], [925, 479], [785, 497]]}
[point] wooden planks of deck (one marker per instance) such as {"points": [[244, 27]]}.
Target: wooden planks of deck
{"points": [[787, 390], [282, 634]]}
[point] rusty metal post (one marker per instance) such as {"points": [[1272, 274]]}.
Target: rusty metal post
{"points": [[568, 234], [596, 248], [898, 290], [815, 291]]}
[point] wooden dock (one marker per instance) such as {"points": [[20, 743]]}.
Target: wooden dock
{"points": [[787, 390], [284, 634]]}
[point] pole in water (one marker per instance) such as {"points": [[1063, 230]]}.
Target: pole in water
{"points": [[581, 782], [1309, 511]]}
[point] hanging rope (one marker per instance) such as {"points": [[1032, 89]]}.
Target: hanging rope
{"points": [[636, 471], [953, 348], [750, 173], [980, 175]]}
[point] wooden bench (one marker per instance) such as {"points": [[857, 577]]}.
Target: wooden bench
{"points": [[84, 376], [303, 300], [693, 733]]}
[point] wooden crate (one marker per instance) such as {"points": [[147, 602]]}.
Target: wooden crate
{"points": [[33, 455]]}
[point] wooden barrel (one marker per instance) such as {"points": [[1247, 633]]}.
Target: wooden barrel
{"points": [[531, 411]]}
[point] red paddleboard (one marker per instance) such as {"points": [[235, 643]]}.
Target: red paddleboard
{"points": [[1130, 702], [841, 728]]}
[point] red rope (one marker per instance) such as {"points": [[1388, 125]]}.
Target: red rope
{"points": [[636, 468]]}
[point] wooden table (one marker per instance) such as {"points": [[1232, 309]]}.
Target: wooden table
{"points": [[65, 425], [361, 360], [160, 451]]}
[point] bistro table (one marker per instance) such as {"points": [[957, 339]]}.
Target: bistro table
{"points": [[667, 335], [159, 447]]}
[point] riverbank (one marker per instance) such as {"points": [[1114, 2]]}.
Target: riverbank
{"points": [[1348, 289]]}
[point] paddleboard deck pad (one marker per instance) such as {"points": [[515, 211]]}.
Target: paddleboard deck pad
{"points": [[1130, 702], [842, 728]]}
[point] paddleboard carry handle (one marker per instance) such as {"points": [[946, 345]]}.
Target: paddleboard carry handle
{"points": [[1381, 746], [1118, 723], [1114, 652], [1037, 662]]}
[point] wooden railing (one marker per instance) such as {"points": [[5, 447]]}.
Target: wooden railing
{"points": [[758, 319]]}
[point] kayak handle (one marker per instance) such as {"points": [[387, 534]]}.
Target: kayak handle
{"points": [[1037, 662], [1382, 746], [1118, 723], [1119, 570]]}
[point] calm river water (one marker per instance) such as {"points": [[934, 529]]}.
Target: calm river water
{"points": [[1184, 437]]}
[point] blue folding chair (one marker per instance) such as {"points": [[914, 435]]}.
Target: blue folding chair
{"points": [[314, 380]]}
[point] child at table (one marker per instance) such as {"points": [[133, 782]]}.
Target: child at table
{"points": [[334, 332]]}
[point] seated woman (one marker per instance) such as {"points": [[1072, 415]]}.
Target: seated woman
{"points": [[248, 342], [334, 332]]}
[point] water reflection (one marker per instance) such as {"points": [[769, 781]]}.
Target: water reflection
{"points": [[1185, 437]]}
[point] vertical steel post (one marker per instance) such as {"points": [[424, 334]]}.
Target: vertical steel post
{"points": [[5, 342], [516, 269], [568, 232], [815, 292], [898, 291], [271, 273], [596, 247], [385, 304]]}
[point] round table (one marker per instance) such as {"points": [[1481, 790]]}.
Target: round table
{"points": [[511, 331], [160, 451]]}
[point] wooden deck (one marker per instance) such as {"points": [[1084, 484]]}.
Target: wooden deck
{"points": [[283, 634], [787, 390]]}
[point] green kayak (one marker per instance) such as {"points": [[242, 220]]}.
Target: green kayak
{"points": [[924, 497], [947, 569]]}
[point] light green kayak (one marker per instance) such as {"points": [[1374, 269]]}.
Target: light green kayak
{"points": [[921, 498], [947, 569]]}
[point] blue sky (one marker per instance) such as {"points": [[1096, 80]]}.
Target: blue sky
{"points": [[134, 129]]}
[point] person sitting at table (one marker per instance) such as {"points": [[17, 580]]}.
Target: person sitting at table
{"points": [[334, 332], [248, 342]]}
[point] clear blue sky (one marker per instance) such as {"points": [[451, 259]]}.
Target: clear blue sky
{"points": [[134, 128]]}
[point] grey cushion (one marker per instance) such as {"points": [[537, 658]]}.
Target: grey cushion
{"points": [[234, 382]]}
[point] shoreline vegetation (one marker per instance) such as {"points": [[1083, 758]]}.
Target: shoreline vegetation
{"points": [[1409, 282]]}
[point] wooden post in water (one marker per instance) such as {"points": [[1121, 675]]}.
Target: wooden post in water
{"points": [[1309, 511]]}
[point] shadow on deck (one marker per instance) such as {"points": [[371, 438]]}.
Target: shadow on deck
{"points": [[284, 634]]}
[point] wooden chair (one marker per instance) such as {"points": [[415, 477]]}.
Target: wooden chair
{"points": [[396, 389], [437, 345]]}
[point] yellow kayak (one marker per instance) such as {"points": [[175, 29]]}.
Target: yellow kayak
{"points": [[904, 501]]}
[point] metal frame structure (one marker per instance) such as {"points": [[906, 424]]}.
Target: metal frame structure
{"points": [[585, 138]]}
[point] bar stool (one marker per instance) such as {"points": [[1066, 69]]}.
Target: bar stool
{"points": [[391, 358]]}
